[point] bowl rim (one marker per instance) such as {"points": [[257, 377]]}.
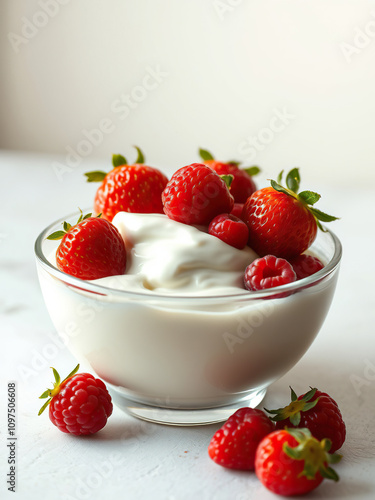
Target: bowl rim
{"points": [[101, 290]]}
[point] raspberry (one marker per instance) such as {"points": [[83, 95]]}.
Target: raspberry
{"points": [[235, 443], [237, 210], [229, 229], [195, 195], [80, 404], [268, 272], [316, 411], [306, 265]]}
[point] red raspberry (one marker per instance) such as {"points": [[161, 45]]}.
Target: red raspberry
{"points": [[195, 195], [306, 265], [316, 411], [80, 404], [237, 210], [268, 272], [229, 229], [234, 444]]}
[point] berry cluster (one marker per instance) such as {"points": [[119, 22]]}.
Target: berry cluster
{"points": [[291, 457]]}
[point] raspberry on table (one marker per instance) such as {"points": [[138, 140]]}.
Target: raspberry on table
{"points": [[235, 443], [80, 404], [229, 229], [268, 272]]}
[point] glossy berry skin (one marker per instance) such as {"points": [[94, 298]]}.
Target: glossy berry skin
{"points": [[277, 471], [229, 229], [234, 444], [82, 405], [306, 265], [278, 223], [268, 272], [237, 210], [323, 421], [195, 195], [242, 185], [130, 188], [92, 249]]}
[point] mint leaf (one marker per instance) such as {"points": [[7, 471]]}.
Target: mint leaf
{"points": [[205, 155]]}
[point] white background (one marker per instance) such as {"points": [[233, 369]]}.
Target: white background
{"points": [[226, 66]]}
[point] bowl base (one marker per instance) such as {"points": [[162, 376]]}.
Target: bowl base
{"points": [[185, 417]]}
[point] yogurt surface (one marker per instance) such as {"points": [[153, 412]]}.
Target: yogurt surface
{"points": [[168, 257]]}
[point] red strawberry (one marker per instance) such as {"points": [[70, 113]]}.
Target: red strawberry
{"points": [[229, 229], [280, 221], [318, 412], [195, 195], [306, 265], [234, 444], [91, 249], [242, 185], [268, 272], [133, 188], [292, 462], [80, 404]]}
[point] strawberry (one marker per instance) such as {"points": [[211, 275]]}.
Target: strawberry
{"points": [[93, 248], [196, 194], [315, 410], [79, 405], [281, 221], [292, 462], [242, 185], [234, 444], [229, 229], [133, 188]]}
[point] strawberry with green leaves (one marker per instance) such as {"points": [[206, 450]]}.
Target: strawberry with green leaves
{"points": [[133, 188], [292, 462], [283, 221], [242, 185], [91, 249]]}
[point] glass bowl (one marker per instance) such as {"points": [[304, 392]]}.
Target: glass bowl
{"points": [[187, 360]]}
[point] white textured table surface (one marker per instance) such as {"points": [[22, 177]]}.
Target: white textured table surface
{"points": [[137, 460]]}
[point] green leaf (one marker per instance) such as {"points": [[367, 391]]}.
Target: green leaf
{"points": [[279, 188], [56, 375], [118, 160], [66, 226], [71, 373], [234, 162], [254, 170], [275, 412], [205, 155], [292, 452], [329, 473], [57, 235], [140, 157], [86, 216], [309, 197], [44, 406], [293, 180], [280, 176], [334, 458], [309, 394], [227, 179], [80, 218], [294, 396], [95, 176], [322, 216], [45, 394], [295, 419], [327, 443]]}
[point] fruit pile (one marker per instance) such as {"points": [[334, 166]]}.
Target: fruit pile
{"points": [[289, 458], [278, 222]]}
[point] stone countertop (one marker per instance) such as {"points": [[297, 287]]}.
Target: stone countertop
{"points": [[133, 459]]}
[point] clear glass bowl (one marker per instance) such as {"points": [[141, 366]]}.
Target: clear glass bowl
{"points": [[187, 360]]}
